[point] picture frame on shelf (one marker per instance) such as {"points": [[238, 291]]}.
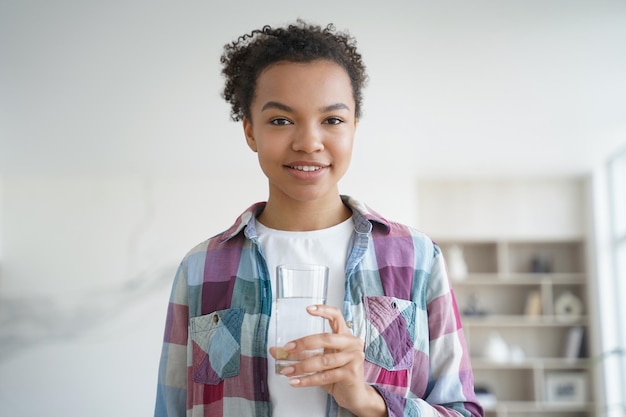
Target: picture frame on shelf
{"points": [[566, 387]]}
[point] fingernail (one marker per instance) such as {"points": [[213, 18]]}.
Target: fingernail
{"points": [[288, 370], [312, 308], [281, 353], [289, 346], [294, 381]]}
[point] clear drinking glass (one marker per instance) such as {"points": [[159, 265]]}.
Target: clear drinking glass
{"points": [[298, 286]]}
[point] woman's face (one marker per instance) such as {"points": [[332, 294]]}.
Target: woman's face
{"points": [[302, 126]]}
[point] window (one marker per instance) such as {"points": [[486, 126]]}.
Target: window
{"points": [[617, 201], [609, 195]]}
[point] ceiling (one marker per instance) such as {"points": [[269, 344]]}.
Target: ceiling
{"points": [[489, 88]]}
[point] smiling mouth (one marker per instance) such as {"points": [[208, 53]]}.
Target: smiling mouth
{"points": [[305, 168]]}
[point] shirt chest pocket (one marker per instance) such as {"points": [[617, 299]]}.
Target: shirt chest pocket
{"points": [[390, 332], [216, 345]]}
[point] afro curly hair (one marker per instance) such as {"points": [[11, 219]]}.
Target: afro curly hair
{"points": [[244, 59]]}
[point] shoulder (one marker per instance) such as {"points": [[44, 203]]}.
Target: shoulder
{"points": [[228, 243], [407, 237], [390, 236]]}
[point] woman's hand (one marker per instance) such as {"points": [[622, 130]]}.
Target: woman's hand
{"points": [[339, 370]]}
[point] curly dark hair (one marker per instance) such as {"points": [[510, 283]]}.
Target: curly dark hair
{"points": [[244, 59]]}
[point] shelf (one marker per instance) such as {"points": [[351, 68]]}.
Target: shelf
{"points": [[539, 407], [532, 363], [521, 321], [564, 278]]}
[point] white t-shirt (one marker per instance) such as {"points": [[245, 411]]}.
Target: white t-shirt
{"points": [[326, 247]]}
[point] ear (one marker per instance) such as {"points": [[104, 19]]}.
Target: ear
{"points": [[248, 131]]}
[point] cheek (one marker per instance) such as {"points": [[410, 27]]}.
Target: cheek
{"points": [[269, 155], [342, 157], [344, 147]]}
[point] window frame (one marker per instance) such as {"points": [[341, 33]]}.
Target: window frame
{"points": [[616, 186]]}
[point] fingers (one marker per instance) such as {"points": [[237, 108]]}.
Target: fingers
{"points": [[339, 370], [342, 358], [316, 379], [286, 353], [341, 339], [327, 341], [325, 362], [332, 314], [325, 370]]}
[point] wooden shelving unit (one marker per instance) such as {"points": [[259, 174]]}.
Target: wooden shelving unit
{"points": [[530, 295]]}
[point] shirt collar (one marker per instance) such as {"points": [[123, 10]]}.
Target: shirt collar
{"points": [[364, 219]]}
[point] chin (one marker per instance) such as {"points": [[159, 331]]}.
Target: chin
{"points": [[311, 195]]}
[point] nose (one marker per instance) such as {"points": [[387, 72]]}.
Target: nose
{"points": [[308, 139]]}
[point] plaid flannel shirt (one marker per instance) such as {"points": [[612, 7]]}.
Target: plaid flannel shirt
{"points": [[398, 300]]}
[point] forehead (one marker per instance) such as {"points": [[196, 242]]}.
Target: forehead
{"points": [[320, 79]]}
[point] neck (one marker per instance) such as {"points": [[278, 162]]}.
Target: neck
{"points": [[304, 215]]}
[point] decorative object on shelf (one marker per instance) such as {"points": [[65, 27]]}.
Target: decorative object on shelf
{"points": [[533, 304], [568, 307], [541, 264], [566, 387], [517, 354], [472, 307], [457, 267], [485, 397], [496, 348], [573, 347]]}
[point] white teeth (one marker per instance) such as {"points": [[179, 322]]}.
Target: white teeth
{"points": [[307, 168]]}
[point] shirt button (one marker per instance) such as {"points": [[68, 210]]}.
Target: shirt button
{"points": [[216, 319], [350, 324]]}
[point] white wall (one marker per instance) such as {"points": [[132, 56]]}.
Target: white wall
{"points": [[456, 88], [504, 208], [77, 231]]}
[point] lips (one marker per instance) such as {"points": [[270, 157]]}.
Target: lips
{"points": [[306, 166]]}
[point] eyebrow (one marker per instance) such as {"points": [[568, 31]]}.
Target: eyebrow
{"points": [[284, 107], [336, 106], [276, 105]]}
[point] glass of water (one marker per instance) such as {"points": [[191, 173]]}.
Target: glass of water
{"points": [[298, 286]]}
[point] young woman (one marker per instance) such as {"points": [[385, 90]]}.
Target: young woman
{"points": [[396, 346]]}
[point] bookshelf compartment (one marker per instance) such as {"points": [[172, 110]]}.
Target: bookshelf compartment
{"points": [[546, 257], [508, 385]]}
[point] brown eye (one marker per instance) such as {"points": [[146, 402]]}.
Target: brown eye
{"points": [[333, 121], [280, 121]]}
